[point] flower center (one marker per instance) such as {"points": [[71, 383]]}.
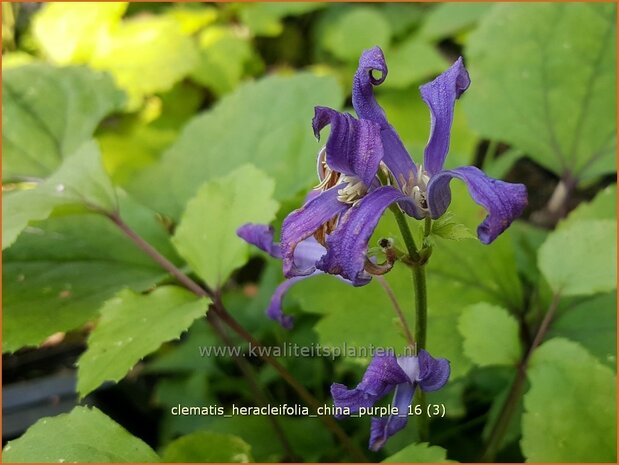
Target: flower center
{"points": [[353, 189], [417, 188]]}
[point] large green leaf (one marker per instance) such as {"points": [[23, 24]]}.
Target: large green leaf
{"points": [[59, 272], [490, 335], [279, 141], [47, 113], [548, 60], [592, 323], [146, 55], [570, 409], [82, 436], [206, 446], [581, 258], [206, 236], [70, 32], [346, 35], [80, 180], [131, 327], [448, 19], [419, 453]]}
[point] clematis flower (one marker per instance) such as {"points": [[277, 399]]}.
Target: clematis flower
{"points": [[349, 192], [307, 253], [387, 373], [427, 184]]}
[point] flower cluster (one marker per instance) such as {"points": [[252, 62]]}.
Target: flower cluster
{"points": [[363, 169]]}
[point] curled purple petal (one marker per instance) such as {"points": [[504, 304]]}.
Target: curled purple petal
{"points": [[440, 95], [275, 310], [395, 156], [382, 375], [383, 428], [302, 223], [354, 146], [433, 372], [260, 235], [347, 245], [504, 201]]}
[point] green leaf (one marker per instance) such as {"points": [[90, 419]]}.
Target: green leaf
{"points": [[447, 228], [80, 180], [265, 18], [206, 446], [570, 409], [602, 207], [490, 335], [413, 61], [206, 236], [70, 32], [304, 434], [448, 19], [224, 56], [83, 435], [547, 61], [216, 142], [193, 17], [419, 453], [59, 272], [592, 323], [146, 55], [581, 258], [131, 327], [346, 36], [47, 113]]}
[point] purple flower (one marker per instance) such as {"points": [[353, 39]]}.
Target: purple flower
{"points": [[387, 373], [427, 184], [349, 195], [307, 253]]}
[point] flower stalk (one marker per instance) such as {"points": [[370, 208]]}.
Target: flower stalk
{"points": [[417, 262]]}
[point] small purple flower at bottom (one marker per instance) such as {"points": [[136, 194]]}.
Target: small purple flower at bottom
{"points": [[384, 374]]}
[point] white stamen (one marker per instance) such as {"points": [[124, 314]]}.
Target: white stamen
{"points": [[417, 188], [353, 192]]}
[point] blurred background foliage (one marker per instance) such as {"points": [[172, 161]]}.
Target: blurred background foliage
{"points": [[176, 95]]}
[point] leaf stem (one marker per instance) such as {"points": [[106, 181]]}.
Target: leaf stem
{"points": [[260, 395], [511, 402], [396, 307], [223, 315]]}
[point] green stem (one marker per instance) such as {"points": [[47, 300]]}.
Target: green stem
{"points": [[421, 325], [407, 236], [421, 306]]}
